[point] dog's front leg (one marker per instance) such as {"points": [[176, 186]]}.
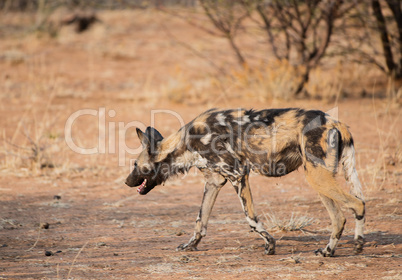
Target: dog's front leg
{"points": [[214, 182], [243, 190]]}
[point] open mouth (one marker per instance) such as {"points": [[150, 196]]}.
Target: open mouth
{"points": [[141, 188]]}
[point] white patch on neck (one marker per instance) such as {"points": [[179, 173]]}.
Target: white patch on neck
{"points": [[199, 161], [189, 159]]}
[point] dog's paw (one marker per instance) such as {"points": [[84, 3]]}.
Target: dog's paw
{"points": [[269, 249], [359, 242], [186, 247], [324, 252]]}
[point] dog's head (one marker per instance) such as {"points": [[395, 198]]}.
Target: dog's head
{"points": [[147, 173]]}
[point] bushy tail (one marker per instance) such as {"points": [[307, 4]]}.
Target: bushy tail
{"points": [[348, 160]]}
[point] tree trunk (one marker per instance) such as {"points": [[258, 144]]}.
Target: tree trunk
{"points": [[382, 28], [396, 8], [305, 79], [239, 56]]}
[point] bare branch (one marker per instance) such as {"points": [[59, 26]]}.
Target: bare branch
{"points": [[268, 29], [227, 19], [190, 21], [194, 51], [329, 18]]}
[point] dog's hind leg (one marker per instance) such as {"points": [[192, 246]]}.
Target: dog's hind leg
{"points": [[324, 182], [338, 222], [214, 182], [243, 190]]}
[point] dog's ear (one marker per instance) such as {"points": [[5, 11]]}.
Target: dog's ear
{"points": [[143, 138], [153, 134], [154, 138]]}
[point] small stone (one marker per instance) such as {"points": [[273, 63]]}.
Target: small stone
{"points": [[44, 225], [48, 253]]}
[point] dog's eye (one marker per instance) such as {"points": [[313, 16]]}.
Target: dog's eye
{"points": [[145, 170]]}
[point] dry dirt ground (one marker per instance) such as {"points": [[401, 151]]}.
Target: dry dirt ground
{"points": [[74, 217]]}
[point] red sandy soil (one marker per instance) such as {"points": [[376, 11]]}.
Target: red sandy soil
{"points": [[98, 228]]}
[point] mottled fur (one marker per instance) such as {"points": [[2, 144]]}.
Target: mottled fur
{"points": [[227, 145]]}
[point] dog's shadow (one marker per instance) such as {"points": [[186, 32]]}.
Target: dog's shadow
{"points": [[379, 238], [372, 240]]}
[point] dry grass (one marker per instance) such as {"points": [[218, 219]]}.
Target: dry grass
{"points": [[293, 259], [295, 223], [9, 224], [34, 145], [37, 148], [31, 148], [386, 167], [327, 84], [276, 80], [75, 258]]}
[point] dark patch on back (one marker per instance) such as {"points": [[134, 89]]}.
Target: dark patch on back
{"points": [[212, 118], [299, 113], [311, 115], [268, 116]]}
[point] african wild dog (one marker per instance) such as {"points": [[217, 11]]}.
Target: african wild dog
{"points": [[227, 145]]}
